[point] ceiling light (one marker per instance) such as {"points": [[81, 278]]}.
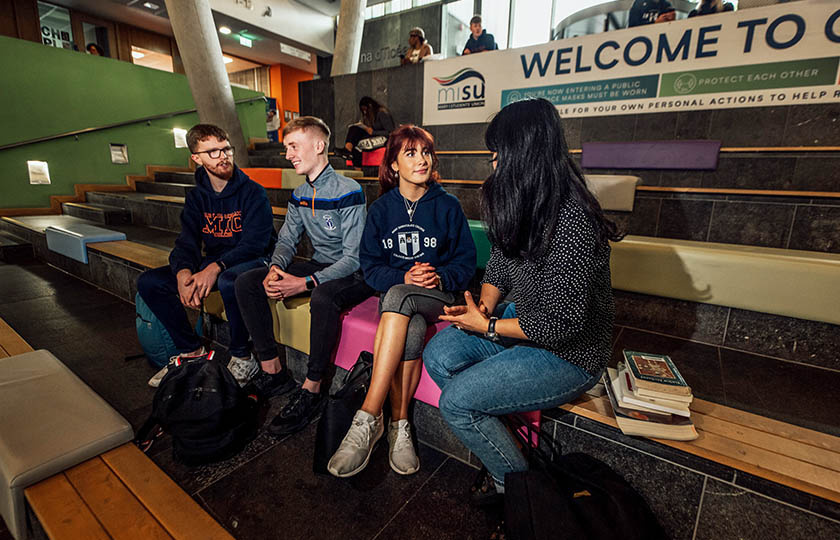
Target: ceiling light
{"points": [[245, 41], [150, 5], [227, 59], [224, 30], [137, 54]]}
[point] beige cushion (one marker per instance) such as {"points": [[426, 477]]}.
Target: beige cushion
{"points": [[613, 192], [801, 284], [291, 322], [49, 421]]}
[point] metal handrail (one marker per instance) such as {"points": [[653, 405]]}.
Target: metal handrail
{"points": [[116, 125]]}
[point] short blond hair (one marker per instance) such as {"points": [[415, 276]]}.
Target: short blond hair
{"points": [[304, 122]]}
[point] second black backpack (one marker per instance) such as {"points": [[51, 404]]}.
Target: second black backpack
{"points": [[200, 404]]}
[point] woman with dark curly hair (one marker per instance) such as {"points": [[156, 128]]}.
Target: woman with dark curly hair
{"points": [[550, 254], [418, 252]]}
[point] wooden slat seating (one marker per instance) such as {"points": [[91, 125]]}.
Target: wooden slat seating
{"points": [[10, 341], [119, 494], [800, 458]]}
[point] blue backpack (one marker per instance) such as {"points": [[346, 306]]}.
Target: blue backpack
{"points": [[154, 338]]}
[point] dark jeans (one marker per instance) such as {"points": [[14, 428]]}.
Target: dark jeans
{"points": [[354, 135], [328, 301], [159, 289]]}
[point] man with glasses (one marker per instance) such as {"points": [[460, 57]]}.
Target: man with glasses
{"points": [[227, 228]]}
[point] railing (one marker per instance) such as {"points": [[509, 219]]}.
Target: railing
{"points": [[146, 119]]}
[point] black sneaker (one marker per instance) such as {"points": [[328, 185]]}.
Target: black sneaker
{"points": [[303, 407], [267, 385]]}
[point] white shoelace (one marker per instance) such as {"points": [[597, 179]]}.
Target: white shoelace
{"points": [[403, 437], [359, 434]]}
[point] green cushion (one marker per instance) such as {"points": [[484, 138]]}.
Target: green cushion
{"points": [[482, 244]]}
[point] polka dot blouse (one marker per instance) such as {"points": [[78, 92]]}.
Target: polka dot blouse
{"points": [[564, 301]]}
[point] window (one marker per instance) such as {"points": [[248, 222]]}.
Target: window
{"points": [[531, 22], [495, 18], [55, 26]]}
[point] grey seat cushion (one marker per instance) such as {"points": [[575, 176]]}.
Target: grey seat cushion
{"points": [[49, 421]]}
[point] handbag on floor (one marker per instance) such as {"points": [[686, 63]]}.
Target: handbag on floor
{"points": [[339, 410], [572, 496]]}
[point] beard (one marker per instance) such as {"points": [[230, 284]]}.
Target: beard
{"points": [[223, 170]]}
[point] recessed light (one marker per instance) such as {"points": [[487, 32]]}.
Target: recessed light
{"points": [[137, 54], [227, 59], [150, 5], [224, 30]]}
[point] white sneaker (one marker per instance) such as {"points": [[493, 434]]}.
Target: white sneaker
{"points": [[154, 382], [401, 452], [354, 452], [243, 369]]}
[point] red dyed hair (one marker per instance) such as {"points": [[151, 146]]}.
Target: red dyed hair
{"points": [[406, 135]]}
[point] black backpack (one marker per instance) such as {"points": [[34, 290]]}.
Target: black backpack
{"points": [[200, 404]]}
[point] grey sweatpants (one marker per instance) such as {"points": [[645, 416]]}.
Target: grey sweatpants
{"points": [[422, 306]]}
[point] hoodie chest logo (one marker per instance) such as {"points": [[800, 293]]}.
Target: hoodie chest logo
{"points": [[220, 225], [328, 222]]}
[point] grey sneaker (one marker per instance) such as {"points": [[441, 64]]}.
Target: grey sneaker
{"points": [[353, 454], [243, 369], [401, 452], [154, 382]]}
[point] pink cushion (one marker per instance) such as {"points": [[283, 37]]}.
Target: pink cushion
{"points": [[373, 158], [358, 331]]}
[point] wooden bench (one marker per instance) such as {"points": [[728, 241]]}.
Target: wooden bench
{"points": [[10, 341], [275, 210], [793, 456], [119, 494]]}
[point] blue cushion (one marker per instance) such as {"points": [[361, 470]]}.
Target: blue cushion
{"points": [[71, 240]]}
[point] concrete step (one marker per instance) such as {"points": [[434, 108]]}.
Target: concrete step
{"points": [[175, 177], [13, 248], [165, 188], [101, 213]]}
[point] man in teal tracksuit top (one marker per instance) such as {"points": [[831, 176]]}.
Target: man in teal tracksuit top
{"points": [[330, 208]]}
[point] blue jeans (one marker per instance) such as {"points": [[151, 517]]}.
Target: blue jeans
{"points": [[481, 380], [159, 289]]}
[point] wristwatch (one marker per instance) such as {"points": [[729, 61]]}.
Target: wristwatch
{"points": [[310, 283], [491, 329], [222, 266]]}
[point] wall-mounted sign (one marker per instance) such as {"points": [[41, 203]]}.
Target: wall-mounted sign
{"points": [[180, 137], [787, 54], [39, 172], [119, 153], [294, 51]]}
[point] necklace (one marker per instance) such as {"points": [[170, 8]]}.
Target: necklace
{"points": [[410, 207]]}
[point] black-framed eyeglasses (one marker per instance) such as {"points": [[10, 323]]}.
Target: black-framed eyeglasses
{"points": [[216, 153]]}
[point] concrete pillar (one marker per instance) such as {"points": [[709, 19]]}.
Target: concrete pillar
{"points": [[348, 39], [198, 42]]}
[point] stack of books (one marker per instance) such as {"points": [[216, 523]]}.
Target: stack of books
{"points": [[649, 397]]}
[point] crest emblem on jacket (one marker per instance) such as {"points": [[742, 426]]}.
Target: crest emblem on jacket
{"points": [[328, 222]]}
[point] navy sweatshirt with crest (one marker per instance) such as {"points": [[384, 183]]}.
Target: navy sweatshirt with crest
{"points": [[233, 226], [438, 234]]}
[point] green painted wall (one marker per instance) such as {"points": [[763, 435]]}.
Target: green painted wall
{"points": [[46, 91]]}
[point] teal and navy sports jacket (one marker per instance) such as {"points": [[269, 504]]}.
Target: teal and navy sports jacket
{"points": [[331, 209]]}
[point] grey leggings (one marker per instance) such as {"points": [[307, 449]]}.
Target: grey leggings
{"points": [[422, 306]]}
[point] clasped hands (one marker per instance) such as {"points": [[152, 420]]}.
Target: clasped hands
{"points": [[279, 284], [194, 288], [471, 317], [422, 275]]}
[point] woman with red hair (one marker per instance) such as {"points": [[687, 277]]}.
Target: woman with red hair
{"points": [[417, 251]]}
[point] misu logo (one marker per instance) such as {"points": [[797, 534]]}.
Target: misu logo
{"points": [[461, 90]]}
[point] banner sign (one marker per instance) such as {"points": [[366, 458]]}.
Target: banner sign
{"points": [[787, 54]]}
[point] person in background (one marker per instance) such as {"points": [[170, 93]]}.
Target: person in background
{"points": [[479, 40], [709, 7], [550, 253], [417, 250], [370, 133], [419, 47], [94, 49], [272, 124], [651, 11]]}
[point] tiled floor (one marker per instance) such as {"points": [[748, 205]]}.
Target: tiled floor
{"points": [[269, 490]]}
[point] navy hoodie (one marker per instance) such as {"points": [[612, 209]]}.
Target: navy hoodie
{"points": [[234, 226], [439, 235]]}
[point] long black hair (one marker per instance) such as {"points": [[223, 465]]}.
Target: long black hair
{"points": [[534, 177], [370, 108]]}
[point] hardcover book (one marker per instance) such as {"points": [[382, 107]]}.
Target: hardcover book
{"points": [[655, 372]]}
